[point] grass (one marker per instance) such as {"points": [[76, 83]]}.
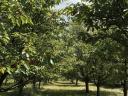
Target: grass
{"points": [[65, 88]]}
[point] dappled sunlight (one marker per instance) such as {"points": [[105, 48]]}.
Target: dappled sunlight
{"points": [[64, 88], [63, 47]]}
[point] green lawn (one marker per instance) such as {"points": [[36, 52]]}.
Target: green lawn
{"points": [[65, 89]]}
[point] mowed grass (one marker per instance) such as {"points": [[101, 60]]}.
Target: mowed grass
{"points": [[65, 88]]}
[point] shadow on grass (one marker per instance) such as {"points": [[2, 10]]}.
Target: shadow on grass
{"points": [[72, 93], [71, 85], [112, 86], [64, 84], [58, 93], [60, 82]]}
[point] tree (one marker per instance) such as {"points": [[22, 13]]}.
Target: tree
{"points": [[76, 62], [22, 22]]}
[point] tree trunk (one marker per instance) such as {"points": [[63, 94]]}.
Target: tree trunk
{"points": [[21, 87], [87, 85], [125, 79], [72, 81], [2, 78], [34, 84], [39, 83], [98, 83], [21, 90], [6, 81], [125, 88], [76, 82], [98, 90]]}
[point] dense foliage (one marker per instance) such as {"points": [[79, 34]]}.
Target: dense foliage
{"points": [[38, 44]]}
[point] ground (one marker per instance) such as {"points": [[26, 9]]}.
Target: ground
{"points": [[65, 88]]}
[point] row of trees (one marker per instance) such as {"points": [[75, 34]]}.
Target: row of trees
{"points": [[36, 44], [101, 49], [98, 62]]}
